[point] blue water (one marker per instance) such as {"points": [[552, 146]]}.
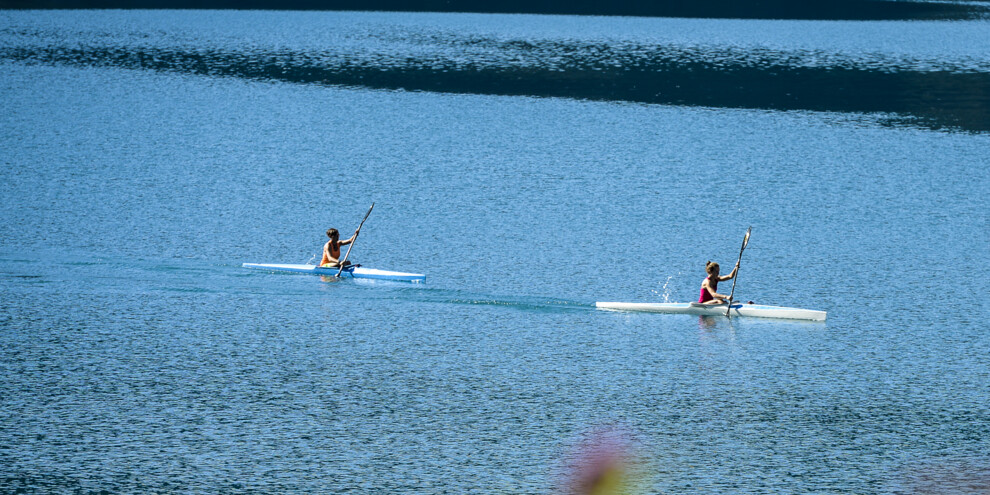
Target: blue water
{"points": [[136, 355]]}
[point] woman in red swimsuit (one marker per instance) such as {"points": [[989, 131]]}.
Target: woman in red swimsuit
{"points": [[709, 287]]}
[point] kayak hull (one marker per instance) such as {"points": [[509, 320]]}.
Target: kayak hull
{"points": [[737, 309], [353, 272]]}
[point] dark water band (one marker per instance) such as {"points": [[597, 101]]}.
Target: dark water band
{"points": [[935, 99], [735, 9]]}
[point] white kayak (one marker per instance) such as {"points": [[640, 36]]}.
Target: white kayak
{"points": [[352, 271], [737, 309]]}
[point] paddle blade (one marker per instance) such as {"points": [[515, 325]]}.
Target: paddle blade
{"points": [[369, 212], [746, 239]]}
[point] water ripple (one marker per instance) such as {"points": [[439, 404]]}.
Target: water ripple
{"points": [[931, 90]]}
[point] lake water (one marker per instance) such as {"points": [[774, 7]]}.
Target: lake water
{"points": [[146, 155]]}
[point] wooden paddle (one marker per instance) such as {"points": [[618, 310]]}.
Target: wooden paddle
{"points": [[745, 242], [356, 232]]}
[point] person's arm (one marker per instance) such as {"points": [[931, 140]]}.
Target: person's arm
{"points": [[715, 295], [731, 275], [705, 285]]}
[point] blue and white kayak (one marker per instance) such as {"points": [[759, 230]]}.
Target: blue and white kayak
{"points": [[737, 309], [352, 271]]}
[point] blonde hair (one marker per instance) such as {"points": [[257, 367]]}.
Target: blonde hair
{"points": [[710, 266]]}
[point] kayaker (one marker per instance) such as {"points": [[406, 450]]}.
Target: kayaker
{"points": [[331, 250], [709, 287]]}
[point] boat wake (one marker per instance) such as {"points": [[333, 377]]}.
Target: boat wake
{"points": [[525, 303]]}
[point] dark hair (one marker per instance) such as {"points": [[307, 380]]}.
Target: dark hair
{"points": [[332, 233]]}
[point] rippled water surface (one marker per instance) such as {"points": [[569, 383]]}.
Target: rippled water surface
{"points": [[529, 165]]}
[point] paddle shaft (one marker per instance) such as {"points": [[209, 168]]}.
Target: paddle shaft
{"points": [[356, 232], [733, 291]]}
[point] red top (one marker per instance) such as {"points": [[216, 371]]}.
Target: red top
{"points": [[705, 295]]}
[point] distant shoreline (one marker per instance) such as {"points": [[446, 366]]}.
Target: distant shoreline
{"points": [[769, 9]]}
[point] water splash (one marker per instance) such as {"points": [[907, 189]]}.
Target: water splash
{"points": [[664, 292]]}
